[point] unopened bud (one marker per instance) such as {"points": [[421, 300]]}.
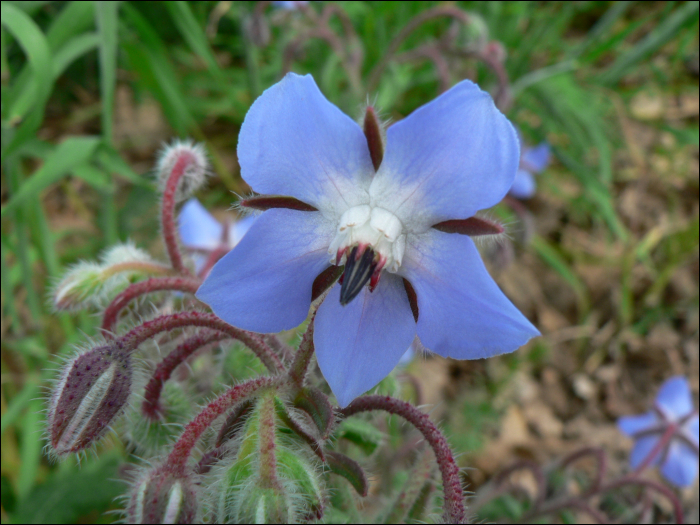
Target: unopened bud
{"points": [[79, 286], [92, 391], [183, 164], [162, 496], [270, 480], [125, 253]]}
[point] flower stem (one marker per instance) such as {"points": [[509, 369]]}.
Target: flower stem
{"points": [[454, 497], [132, 339], [154, 284], [183, 447], [151, 403], [302, 359], [267, 446], [661, 444], [170, 236]]}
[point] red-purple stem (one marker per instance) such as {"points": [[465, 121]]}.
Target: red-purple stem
{"points": [[661, 444], [154, 284], [151, 403], [177, 460], [211, 260], [132, 339], [300, 365], [454, 497], [168, 211]]}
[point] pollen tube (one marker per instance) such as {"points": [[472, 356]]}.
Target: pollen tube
{"points": [[359, 268]]}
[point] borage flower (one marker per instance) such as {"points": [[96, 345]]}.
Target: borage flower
{"points": [[668, 435], [205, 237], [338, 202], [532, 161]]}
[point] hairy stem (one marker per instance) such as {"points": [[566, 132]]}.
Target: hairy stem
{"points": [[154, 284], [167, 218], [454, 497], [151, 403], [183, 448], [412, 25], [266, 444], [132, 339], [302, 359]]}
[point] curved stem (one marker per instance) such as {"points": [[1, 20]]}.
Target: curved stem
{"points": [[454, 497], [151, 403], [302, 359], [211, 260], [177, 460], [154, 284], [130, 341], [167, 216], [417, 21]]}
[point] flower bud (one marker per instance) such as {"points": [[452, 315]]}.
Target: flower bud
{"points": [[93, 390], [270, 480], [182, 163], [79, 286], [163, 496], [125, 253]]}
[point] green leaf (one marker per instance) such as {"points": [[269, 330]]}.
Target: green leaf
{"points": [[362, 433], [191, 31], [31, 446], [18, 404], [107, 20], [70, 494], [72, 152], [110, 160], [27, 109], [342, 465], [72, 50], [659, 36], [553, 258]]}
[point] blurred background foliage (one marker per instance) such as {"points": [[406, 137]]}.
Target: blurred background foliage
{"points": [[90, 90]]}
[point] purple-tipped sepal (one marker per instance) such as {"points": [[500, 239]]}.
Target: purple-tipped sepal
{"points": [[93, 390], [162, 495]]}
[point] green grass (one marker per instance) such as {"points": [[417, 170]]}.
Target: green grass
{"points": [[72, 185]]}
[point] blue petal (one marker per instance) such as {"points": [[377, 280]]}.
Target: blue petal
{"points": [[681, 465], [461, 311], [535, 159], [642, 448], [523, 185], [359, 344], [198, 228], [448, 159], [264, 283], [674, 398], [630, 425], [294, 142]]}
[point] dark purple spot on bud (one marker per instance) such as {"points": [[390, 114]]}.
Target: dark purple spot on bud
{"points": [[473, 226]]}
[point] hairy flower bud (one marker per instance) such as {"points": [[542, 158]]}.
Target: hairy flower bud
{"points": [[163, 496], [89, 283], [270, 480], [79, 286], [184, 164], [93, 390]]}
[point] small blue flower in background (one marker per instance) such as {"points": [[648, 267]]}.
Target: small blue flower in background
{"points": [[532, 161], [203, 235], [447, 160], [289, 5], [669, 431]]}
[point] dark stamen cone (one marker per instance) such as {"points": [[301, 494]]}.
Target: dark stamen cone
{"points": [[373, 134], [358, 272]]}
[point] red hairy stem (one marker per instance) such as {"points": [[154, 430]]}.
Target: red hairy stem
{"points": [[279, 347], [454, 497], [302, 359], [132, 339], [151, 403], [267, 446], [154, 284], [412, 25], [212, 259], [177, 460], [167, 217]]}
